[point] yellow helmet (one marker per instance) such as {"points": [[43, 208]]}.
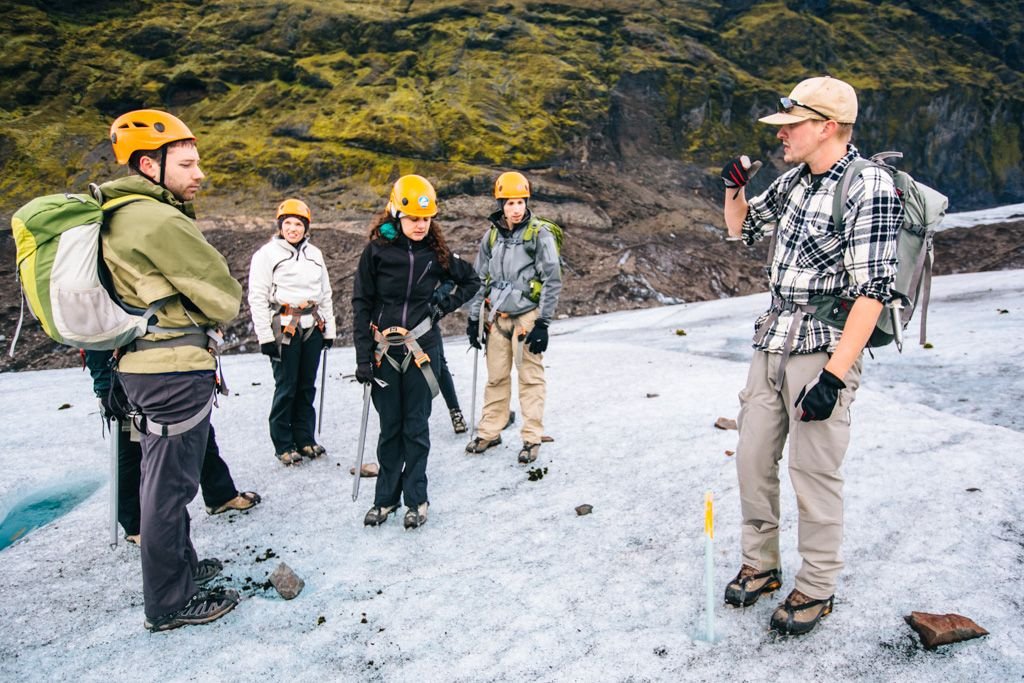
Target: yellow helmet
{"points": [[294, 207], [146, 130], [511, 185], [412, 195]]}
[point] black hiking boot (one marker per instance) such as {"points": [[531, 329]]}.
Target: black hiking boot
{"points": [[458, 421], [377, 516], [312, 451], [204, 607], [749, 585], [416, 517], [528, 453], [479, 444], [799, 614], [206, 571]]}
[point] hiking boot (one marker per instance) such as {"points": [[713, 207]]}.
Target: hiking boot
{"points": [[204, 607], [799, 614], [479, 444], [749, 585], [313, 451], [377, 515], [528, 453], [416, 517], [133, 539], [291, 457], [206, 571], [243, 501], [458, 421]]}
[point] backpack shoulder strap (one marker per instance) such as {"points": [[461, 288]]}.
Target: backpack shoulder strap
{"points": [[112, 205], [842, 192]]}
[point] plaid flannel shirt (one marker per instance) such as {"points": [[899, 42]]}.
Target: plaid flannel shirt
{"points": [[812, 258]]}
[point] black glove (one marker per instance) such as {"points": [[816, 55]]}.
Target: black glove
{"points": [[442, 291], [328, 343], [734, 175], [473, 332], [270, 349], [537, 340], [364, 373], [818, 399], [437, 312]]}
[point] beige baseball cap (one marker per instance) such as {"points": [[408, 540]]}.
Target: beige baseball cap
{"points": [[822, 98]]}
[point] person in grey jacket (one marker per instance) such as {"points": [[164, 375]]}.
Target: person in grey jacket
{"points": [[290, 301], [519, 264]]}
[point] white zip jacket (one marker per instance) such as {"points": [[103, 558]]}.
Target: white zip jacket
{"points": [[281, 273]]}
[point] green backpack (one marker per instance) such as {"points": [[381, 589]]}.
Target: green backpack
{"points": [[63, 277], [923, 210], [530, 242]]}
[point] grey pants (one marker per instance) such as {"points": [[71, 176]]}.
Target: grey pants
{"points": [[170, 480], [816, 452]]}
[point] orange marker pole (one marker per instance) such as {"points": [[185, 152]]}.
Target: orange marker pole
{"points": [[709, 567]]}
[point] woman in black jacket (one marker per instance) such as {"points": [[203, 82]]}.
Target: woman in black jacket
{"points": [[396, 337]]}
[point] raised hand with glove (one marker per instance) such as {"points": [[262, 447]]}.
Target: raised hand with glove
{"points": [[364, 373], [738, 172], [537, 340], [818, 399]]}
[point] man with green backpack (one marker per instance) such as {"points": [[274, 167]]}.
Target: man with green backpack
{"points": [[806, 370], [520, 267], [155, 253]]}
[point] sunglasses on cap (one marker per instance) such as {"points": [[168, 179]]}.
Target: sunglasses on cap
{"points": [[786, 105]]}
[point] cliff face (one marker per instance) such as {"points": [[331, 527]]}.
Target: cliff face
{"points": [[339, 96], [621, 113]]}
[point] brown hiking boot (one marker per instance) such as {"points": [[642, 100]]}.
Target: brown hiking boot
{"points": [[528, 453], [290, 457], [243, 501], [416, 517], [377, 515], [479, 444], [799, 614], [749, 585]]}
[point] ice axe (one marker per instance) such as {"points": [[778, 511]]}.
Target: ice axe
{"points": [[362, 441], [362, 436], [752, 170], [476, 363], [115, 435], [323, 387]]}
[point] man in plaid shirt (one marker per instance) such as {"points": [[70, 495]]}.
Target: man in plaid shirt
{"points": [[805, 372]]}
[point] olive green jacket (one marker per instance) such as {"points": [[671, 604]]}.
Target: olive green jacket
{"points": [[154, 250]]}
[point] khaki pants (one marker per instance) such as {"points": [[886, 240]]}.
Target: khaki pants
{"points": [[501, 352], [816, 451]]}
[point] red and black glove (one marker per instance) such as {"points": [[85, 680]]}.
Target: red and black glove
{"points": [[734, 174]]}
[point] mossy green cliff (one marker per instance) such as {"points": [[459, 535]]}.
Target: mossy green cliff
{"points": [[335, 98]]}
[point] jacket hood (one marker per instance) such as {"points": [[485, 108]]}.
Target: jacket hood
{"points": [[136, 184]]}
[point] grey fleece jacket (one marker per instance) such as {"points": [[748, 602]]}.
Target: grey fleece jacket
{"points": [[507, 268]]}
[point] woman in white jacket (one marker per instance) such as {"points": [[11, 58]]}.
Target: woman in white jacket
{"points": [[293, 317]]}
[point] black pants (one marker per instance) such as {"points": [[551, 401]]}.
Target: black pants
{"points": [[214, 479], [292, 415], [170, 480], [404, 443], [444, 379]]}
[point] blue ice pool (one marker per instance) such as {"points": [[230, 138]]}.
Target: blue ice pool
{"points": [[42, 507]]}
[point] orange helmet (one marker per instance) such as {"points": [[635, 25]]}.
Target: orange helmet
{"points": [[511, 185], [294, 207], [147, 130], [412, 195]]}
